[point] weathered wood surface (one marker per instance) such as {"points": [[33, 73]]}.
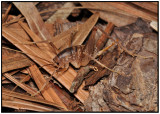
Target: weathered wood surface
{"points": [[137, 91]]}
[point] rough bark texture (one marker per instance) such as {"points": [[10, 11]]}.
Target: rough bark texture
{"points": [[109, 59], [137, 91]]}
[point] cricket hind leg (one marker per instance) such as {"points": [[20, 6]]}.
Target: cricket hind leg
{"points": [[63, 69], [46, 83], [105, 49], [42, 88]]}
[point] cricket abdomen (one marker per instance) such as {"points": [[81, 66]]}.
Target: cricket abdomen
{"points": [[70, 55]]}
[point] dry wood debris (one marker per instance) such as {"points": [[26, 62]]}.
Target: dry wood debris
{"points": [[119, 48]]}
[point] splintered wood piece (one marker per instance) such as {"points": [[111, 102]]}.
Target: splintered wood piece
{"points": [[110, 13], [60, 39], [23, 86], [14, 20], [79, 78], [33, 18], [4, 17], [148, 5], [85, 29], [78, 32], [103, 39], [154, 25], [131, 9], [21, 104], [22, 77], [48, 92], [90, 45], [61, 14], [35, 22], [31, 50], [35, 38], [15, 97], [71, 103], [12, 60]]}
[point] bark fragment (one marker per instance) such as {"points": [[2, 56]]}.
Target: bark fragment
{"points": [[137, 91]]}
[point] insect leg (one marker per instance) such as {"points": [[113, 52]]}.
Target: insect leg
{"points": [[47, 82], [63, 69], [103, 50], [50, 78], [101, 64]]}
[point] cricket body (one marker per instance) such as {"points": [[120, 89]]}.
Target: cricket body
{"points": [[74, 55]]}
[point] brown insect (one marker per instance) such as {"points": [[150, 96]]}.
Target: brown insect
{"points": [[74, 55], [78, 56]]}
